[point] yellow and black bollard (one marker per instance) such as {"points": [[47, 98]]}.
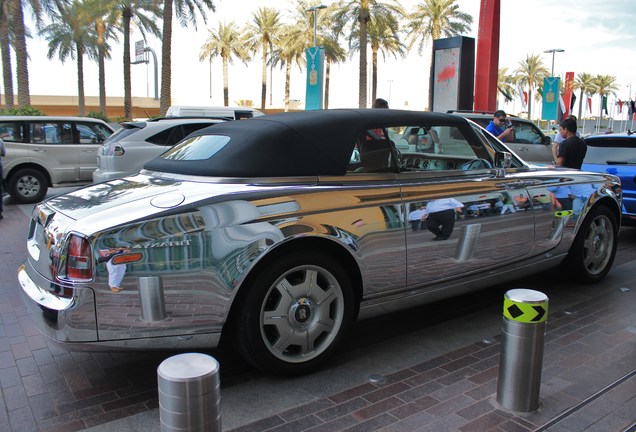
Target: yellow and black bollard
{"points": [[525, 314]]}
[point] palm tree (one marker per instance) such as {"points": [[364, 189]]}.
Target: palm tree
{"points": [[226, 42], [384, 35], [330, 40], [433, 19], [185, 11], [143, 14], [605, 85], [5, 51], [505, 83], [531, 73], [262, 34], [584, 82], [69, 36], [359, 13], [19, 42], [290, 49], [104, 17]]}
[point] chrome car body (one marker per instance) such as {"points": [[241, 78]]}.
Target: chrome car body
{"points": [[281, 230]]}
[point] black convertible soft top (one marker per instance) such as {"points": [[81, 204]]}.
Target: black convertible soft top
{"points": [[306, 143]]}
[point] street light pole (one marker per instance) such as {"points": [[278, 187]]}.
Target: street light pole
{"points": [[553, 51], [315, 9]]}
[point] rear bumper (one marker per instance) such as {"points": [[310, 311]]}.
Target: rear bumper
{"points": [[62, 314]]}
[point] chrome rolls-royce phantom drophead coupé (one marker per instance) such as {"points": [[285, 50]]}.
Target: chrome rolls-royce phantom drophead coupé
{"points": [[280, 231]]}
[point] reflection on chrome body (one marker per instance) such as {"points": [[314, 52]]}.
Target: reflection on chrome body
{"points": [[203, 250]]}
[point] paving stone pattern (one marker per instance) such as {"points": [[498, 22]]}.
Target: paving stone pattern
{"points": [[44, 387]]}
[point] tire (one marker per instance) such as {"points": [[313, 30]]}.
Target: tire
{"points": [[28, 186], [592, 253], [294, 314]]}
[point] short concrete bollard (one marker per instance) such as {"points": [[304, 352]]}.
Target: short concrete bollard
{"points": [[521, 359], [189, 393]]}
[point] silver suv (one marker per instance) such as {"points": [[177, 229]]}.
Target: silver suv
{"points": [[45, 152], [128, 149], [530, 144]]}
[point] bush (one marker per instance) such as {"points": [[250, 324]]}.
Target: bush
{"points": [[98, 115], [27, 110]]}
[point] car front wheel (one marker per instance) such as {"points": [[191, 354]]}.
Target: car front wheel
{"points": [[28, 186], [594, 248], [294, 314]]}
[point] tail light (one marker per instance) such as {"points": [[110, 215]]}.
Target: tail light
{"points": [[79, 265]]}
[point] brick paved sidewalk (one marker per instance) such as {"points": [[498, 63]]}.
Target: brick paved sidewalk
{"points": [[44, 387], [588, 348]]}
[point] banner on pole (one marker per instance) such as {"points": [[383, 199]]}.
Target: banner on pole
{"points": [[315, 73], [550, 107]]}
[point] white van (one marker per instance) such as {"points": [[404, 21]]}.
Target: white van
{"points": [[235, 113]]}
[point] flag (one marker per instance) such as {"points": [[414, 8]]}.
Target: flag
{"points": [[523, 96], [505, 93], [572, 102], [620, 106], [631, 108], [604, 104], [562, 103], [589, 104]]}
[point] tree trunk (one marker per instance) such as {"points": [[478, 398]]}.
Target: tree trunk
{"points": [[21, 55], [7, 74], [80, 81], [327, 73], [226, 85], [127, 83], [166, 59], [264, 80], [374, 73], [530, 102], [101, 64], [287, 83], [363, 18]]}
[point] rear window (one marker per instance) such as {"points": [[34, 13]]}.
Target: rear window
{"points": [[200, 147], [123, 132], [619, 142], [173, 135]]}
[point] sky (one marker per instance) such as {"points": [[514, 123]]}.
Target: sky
{"points": [[599, 37]]}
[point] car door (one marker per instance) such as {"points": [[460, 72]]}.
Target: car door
{"points": [[52, 146], [529, 143], [472, 222]]}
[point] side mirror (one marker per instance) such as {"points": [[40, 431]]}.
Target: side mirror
{"points": [[503, 160]]}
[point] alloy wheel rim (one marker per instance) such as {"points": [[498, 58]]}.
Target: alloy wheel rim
{"points": [[598, 245]]}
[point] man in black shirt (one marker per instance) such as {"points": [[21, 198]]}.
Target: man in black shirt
{"points": [[572, 150]]}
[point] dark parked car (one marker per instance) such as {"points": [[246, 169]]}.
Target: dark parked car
{"points": [[279, 231], [616, 154]]}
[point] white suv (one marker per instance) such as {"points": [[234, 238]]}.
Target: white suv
{"points": [[128, 149], [44, 151]]}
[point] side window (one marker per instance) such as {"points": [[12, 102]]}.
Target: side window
{"points": [[526, 133], [51, 133], [92, 133], [193, 127], [11, 131]]}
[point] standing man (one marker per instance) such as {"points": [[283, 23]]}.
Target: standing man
{"points": [[572, 150], [498, 126], [558, 139]]}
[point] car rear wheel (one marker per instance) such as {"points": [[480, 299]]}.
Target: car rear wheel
{"points": [[28, 186], [594, 248], [294, 314]]}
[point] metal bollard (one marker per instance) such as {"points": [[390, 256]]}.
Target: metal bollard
{"points": [[524, 324], [189, 393], [151, 298]]}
